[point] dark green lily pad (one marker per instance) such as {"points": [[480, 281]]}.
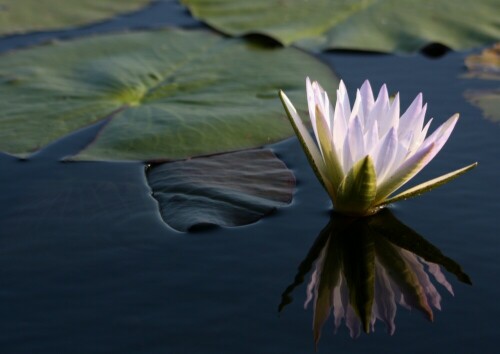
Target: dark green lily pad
{"points": [[383, 25], [170, 94], [19, 16], [227, 190]]}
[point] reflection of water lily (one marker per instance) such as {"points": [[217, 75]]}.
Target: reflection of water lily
{"points": [[367, 152], [365, 267]]}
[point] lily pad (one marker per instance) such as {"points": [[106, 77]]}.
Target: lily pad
{"points": [[227, 190], [169, 94], [35, 15], [383, 25], [487, 100]]}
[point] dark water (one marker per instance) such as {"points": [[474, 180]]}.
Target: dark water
{"points": [[87, 265]]}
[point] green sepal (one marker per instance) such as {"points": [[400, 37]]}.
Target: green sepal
{"points": [[428, 186], [334, 170], [308, 145], [358, 189]]}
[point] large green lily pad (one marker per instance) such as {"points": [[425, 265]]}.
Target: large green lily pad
{"points": [[168, 94], [374, 25], [227, 190], [19, 16]]}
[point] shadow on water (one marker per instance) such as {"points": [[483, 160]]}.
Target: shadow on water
{"points": [[364, 267]]}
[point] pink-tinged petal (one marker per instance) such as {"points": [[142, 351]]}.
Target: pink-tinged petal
{"points": [[367, 100], [406, 171], [440, 136], [384, 154], [407, 121]]}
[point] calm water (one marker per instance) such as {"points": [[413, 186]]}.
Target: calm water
{"points": [[87, 265]]}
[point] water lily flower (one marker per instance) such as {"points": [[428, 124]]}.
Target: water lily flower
{"points": [[366, 152]]}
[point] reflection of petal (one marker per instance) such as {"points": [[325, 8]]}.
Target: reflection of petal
{"points": [[339, 299], [364, 267], [429, 289], [353, 322], [435, 270], [385, 303]]}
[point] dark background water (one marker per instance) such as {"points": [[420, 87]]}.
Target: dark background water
{"points": [[87, 265]]}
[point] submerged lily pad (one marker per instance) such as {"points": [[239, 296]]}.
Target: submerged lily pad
{"points": [[485, 65], [169, 94], [383, 25], [227, 190], [487, 100], [19, 16]]}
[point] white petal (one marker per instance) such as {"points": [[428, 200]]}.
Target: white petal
{"points": [[440, 136], [394, 112], [343, 97], [379, 113], [367, 101], [311, 104], [417, 129], [355, 141], [346, 155], [406, 171], [384, 154], [408, 118], [341, 117], [420, 138], [371, 138]]}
